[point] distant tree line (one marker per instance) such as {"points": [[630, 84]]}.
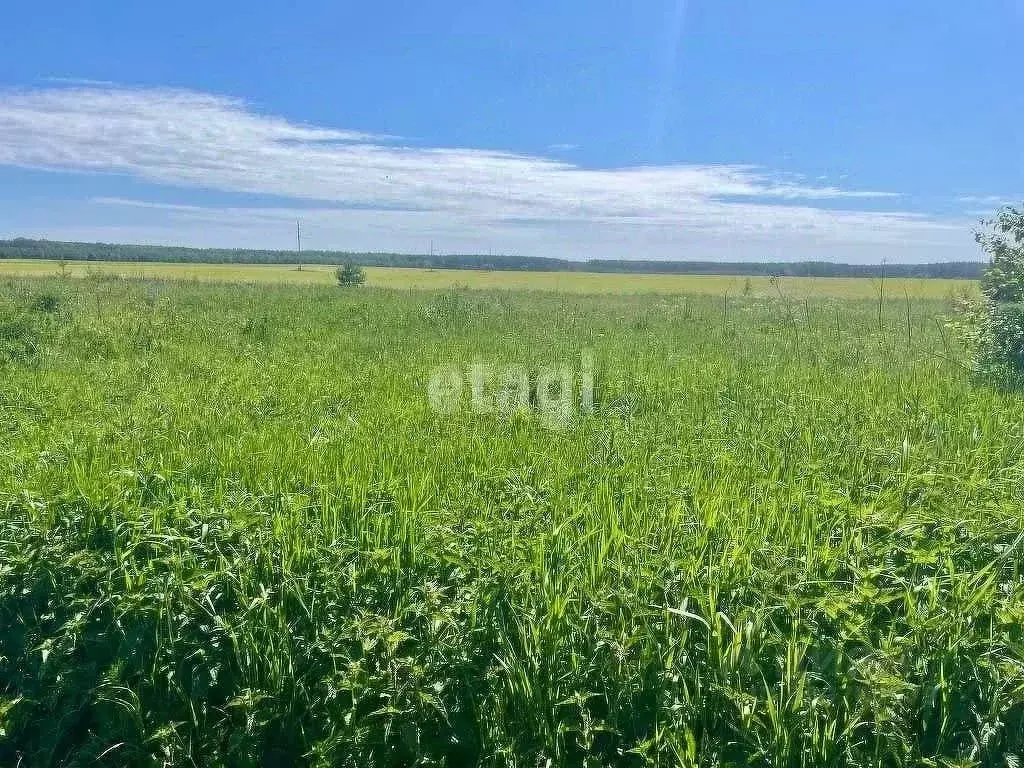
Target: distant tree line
{"points": [[23, 248]]}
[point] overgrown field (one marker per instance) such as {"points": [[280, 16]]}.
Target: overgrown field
{"points": [[233, 532]]}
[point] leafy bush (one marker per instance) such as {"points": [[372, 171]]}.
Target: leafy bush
{"points": [[994, 325], [47, 302], [350, 274], [20, 338], [1003, 240]]}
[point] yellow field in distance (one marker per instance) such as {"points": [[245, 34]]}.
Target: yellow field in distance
{"points": [[564, 282]]}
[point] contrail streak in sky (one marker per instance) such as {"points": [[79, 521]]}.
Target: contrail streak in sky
{"points": [[669, 73]]}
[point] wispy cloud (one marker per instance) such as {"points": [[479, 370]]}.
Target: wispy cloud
{"points": [[346, 180], [984, 206], [991, 201]]}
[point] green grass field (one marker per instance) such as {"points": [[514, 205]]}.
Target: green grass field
{"points": [[442, 279], [234, 532]]}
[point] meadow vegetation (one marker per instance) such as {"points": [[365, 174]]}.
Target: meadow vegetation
{"points": [[721, 286], [234, 533]]}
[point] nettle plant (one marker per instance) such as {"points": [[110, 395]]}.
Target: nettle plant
{"points": [[994, 325]]}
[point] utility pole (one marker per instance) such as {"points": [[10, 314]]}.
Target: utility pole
{"points": [[298, 235]]}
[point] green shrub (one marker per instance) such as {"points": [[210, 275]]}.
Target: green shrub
{"points": [[48, 302], [993, 326], [20, 338], [1003, 239], [350, 274]]}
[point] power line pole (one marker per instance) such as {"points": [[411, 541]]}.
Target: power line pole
{"points": [[298, 235]]}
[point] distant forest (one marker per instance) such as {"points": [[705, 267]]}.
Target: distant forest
{"points": [[22, 248]]}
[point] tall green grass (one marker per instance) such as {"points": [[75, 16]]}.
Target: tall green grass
{"points": [[233, 533]]}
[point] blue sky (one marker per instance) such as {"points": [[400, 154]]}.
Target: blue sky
{"points": [[662, 129]]}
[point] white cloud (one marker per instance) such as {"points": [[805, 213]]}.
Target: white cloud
{"points": [[365, 191], [991, 201]]}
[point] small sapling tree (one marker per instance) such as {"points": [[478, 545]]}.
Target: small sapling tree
{"points": [[350, 274]]}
